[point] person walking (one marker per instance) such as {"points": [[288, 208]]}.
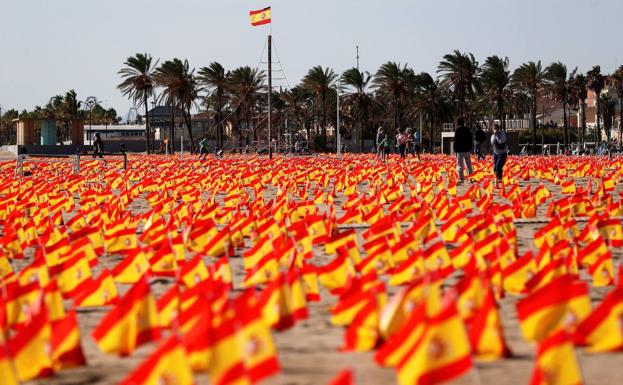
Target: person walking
{"points": [[463, 143], [480, 138], [203, 148], [98, 146], [500, 152], [380, 142], [402, 139], [389, 146]]}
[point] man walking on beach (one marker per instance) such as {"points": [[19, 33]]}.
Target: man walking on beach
{"points": [[463, 143]]}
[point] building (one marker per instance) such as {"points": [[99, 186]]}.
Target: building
{"points": [[124, 132]]}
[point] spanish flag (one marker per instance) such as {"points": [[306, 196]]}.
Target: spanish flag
{"points": [[556, 363], [167, 365], [562, 303], [7, 373], [601, 331], [31, 347], [442, 353], [133, 322]]}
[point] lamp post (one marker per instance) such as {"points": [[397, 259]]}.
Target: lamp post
{"points": [[90, 102]]}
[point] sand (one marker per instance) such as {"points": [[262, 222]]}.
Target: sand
{"points": [[309, 352]]}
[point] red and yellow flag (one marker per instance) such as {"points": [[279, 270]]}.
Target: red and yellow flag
{"points": [[556, 363], [133, 322], [442, 353], [260, 17], [167, 365]]}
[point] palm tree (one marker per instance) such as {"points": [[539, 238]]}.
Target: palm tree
{"points": [[607, 111], [320, 81], [558, 86], [138, 85], [180, 90], [495, 78], [459, 72], [299, 107], [357, 99], [394, 84], [617, 79], [596, 83], [431, 101], [579, 93], [529, 79], [214, 78], [246, 85]]}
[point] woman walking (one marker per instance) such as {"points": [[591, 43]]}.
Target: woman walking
{"points": [[500, 152]]}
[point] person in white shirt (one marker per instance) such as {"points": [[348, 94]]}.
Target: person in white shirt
{"points": [[500, 151]]}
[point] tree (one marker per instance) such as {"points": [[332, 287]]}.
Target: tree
{"points": [[495, 78], [357, 99], [214, 78], [617, 79], [529, 79], [393, 84], [180, 90], [138, 85], [246, 85], [430, 101], [299, 107], [558, 86], [579, 87], [459, 72], [319, 81], [596, 83], [607, 107]]}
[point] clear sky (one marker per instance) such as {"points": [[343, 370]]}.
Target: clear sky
{"points": [[50, 46]]}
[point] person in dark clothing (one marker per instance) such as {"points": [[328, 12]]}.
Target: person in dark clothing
{"points": [[463, 144], [98, 146], [480, 138]]}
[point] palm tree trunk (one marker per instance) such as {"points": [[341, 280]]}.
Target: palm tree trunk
{"points": [[324, 121], [620, 119], [501, 114], [597, 113], [583, 123], [190, 130], [147, 127], [533, 118], [361, 129], [172, 130], [564, 121]]}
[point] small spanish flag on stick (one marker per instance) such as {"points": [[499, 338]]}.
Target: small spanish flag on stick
{"points": [[260, 17]]}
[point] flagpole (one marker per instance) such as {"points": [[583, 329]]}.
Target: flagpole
{"points": [[270, 90]]}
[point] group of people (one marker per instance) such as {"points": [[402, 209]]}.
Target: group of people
{"points": [[405, 141], [463, 147]]}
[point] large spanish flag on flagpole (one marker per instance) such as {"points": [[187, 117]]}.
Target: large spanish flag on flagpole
{"points": [[260, 17]]}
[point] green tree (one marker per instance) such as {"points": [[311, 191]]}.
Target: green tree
{"points": [[617, 80], [358, 100], [246, 85], [558, 85], [432, 102], [579, 92], [394, 87], [596, 83], [460, 73], [320, 81], [214, 78], [180, 91], [529, 79], [138, 85], [495, 79]]}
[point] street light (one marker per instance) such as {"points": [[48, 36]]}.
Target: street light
{"points": [[90, 102]]}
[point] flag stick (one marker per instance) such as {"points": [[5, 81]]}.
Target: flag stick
{"points": [[270, 91]]}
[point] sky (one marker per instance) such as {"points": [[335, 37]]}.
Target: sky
{"points": [[48, 47]]}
